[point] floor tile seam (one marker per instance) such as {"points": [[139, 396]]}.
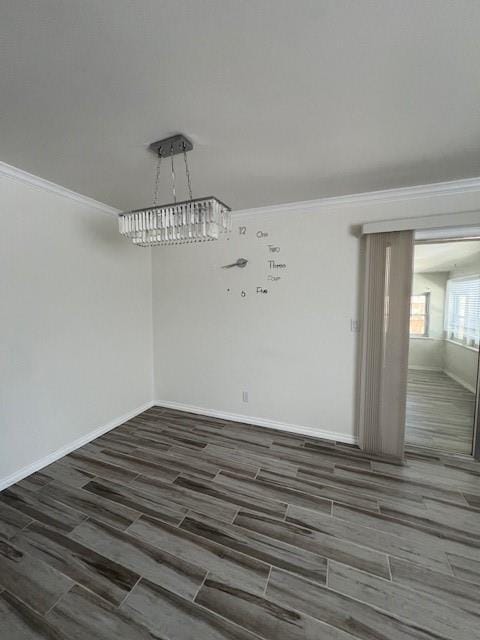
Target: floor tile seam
{"points": [[414, 497], [234, 551], [221, 485], [435, 527], [300, 612], [96, 517], [398, 617], [295, 491], [383, 554]]}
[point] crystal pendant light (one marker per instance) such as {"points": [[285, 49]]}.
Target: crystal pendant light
{"points": [[193, 220]]}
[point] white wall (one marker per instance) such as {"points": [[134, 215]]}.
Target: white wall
{"points": [[291, 349], [469, 268], [75, 324], [461, 363], [76, 319], [426, 353]]}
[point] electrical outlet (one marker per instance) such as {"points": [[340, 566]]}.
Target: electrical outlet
{"points": [[355, 326], [245, 396]]}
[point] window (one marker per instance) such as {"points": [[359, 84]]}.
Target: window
{"points": [[462, 317], [419, 314]]}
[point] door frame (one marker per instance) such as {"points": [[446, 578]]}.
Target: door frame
{"points": [[439, 238]]}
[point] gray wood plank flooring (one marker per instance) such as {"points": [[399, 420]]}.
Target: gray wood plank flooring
{"points": [[440, 412], [181, 527]]}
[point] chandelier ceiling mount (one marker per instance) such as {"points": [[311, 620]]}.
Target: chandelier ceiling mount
{"points": [[192, 220], [171, 146]]}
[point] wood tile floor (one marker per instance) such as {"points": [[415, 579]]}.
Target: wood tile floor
{"points": [[440, 412], [182, 527]]}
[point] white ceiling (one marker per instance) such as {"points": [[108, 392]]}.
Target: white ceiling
{"points": [[446, 256], [284, 99]]}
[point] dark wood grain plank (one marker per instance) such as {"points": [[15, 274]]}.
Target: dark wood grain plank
{"points": [[395, 545], [81, 615], [237, 495], [342, 612], [171, 524], [183, 497], [222, 563], [141, 557], [92, 505], [110, 580], [19, 622], [143, 502], [450, 589], [166, 613], [67, 475], [423, 611], [269, 550], [11, 521], [31, 580], [271, 491], [91, 464], [316, 542], [42, 508], [270, 619]]}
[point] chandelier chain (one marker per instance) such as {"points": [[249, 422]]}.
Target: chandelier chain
{"points": [[157, 181], [174, 191], [187, 171], [200, 220]]}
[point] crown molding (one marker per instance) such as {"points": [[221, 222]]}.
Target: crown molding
{"points": [[452, 187], [13, 173]]}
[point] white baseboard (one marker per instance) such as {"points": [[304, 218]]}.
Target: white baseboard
{"points": [[460, 381], [260, 422], [419, 367], [71, 446]]}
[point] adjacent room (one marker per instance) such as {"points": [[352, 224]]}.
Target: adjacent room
{"points": [[240, 320], [443, 351]]}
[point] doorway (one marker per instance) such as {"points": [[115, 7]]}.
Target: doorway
{"points": [[444, 346]]}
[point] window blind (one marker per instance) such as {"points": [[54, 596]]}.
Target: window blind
{"points": [[384, 359], [462, 317]]}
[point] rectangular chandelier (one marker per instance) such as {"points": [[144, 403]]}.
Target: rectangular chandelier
{"points": [[196, 220], [193, 220]]}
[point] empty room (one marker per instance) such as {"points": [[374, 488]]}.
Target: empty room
{"points": [[239, 320]]}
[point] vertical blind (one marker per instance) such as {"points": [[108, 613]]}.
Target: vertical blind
{"points": [[462, 317], [384, 355]]}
